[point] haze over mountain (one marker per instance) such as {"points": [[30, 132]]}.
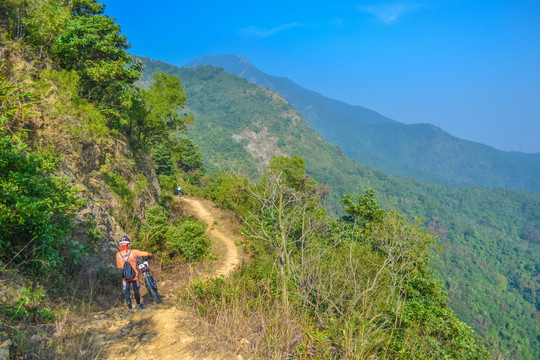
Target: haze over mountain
{"points": [[421, 151], [469, 67]]}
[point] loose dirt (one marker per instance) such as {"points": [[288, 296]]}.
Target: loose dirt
{"points": [[164, 331]]}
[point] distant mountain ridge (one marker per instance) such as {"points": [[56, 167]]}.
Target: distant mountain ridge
{"points": [[420, 151]]}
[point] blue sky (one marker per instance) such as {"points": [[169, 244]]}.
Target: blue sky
{"points": [[471, 67]]}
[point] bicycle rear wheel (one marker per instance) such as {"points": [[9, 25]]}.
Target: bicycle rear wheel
{"points": [[152, 288]]}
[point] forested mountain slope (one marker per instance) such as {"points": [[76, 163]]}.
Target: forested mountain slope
{"points": [[420, 151], [491, 237], [77, 172]]}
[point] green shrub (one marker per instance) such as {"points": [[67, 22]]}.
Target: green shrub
{"points": [[154, 231], [93, 232], [91, 44], [168, 184], [29, 306], [36, 206], [188, 239], [163, 159], [85, 123], [118, 185], [189, 160], [141, 184]]}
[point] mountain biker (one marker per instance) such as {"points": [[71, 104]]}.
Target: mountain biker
{"points": [[130, 255], [179, 190]]}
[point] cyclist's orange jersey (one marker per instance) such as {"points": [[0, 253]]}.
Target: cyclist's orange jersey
{"points": [[122, 257]]}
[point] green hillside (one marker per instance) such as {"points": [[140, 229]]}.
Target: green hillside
{"points": [[490, 236], [419, 151]]}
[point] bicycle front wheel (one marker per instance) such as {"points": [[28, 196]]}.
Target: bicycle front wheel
{"points": [[152, 288]]}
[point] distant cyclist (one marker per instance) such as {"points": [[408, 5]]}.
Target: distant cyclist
{"points": [[179, 190], [130, 255]]}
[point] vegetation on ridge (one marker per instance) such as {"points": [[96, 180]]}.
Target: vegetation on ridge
{"points": [[356, 287], [36, 206]]}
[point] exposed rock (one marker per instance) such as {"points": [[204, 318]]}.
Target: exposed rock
{"points": [[148, 337], [261, 146], [4, 350]]}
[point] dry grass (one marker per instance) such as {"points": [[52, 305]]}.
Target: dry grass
{"points": [[256, 327], [65, 336], [70, 339]]}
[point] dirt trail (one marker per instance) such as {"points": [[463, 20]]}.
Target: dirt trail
{"points": [[202, 210], [162, 331]]}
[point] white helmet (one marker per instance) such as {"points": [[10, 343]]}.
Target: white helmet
{"points": [[125, 241]]}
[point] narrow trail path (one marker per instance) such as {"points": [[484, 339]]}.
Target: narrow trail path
{"points": [[163, 331], [231, 259]]}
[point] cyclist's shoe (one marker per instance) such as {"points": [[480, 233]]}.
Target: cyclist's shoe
{"points": [[139, 306]]}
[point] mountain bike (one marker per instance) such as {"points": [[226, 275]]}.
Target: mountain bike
{"points": [[149, 282]]}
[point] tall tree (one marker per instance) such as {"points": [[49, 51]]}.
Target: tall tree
{"points": [[156, 111], [92, 45], [288, 212]]}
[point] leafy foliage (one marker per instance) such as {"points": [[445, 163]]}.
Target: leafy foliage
{"points": [[90, 124], [154, 231], [188, 239], [36, 207], [155, 111], [28, 305], [119, 186], [365, 211], [92, 45], [287, 211], [189, 159], [156, 119], [185, 238], [163, 158], [45, 20], [362, 294], [228, 191]]}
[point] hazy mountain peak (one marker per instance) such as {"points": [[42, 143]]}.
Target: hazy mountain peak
{"points": [[304, 100], [238, 65], [421, 151], [225, 61], [242, 60]]}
